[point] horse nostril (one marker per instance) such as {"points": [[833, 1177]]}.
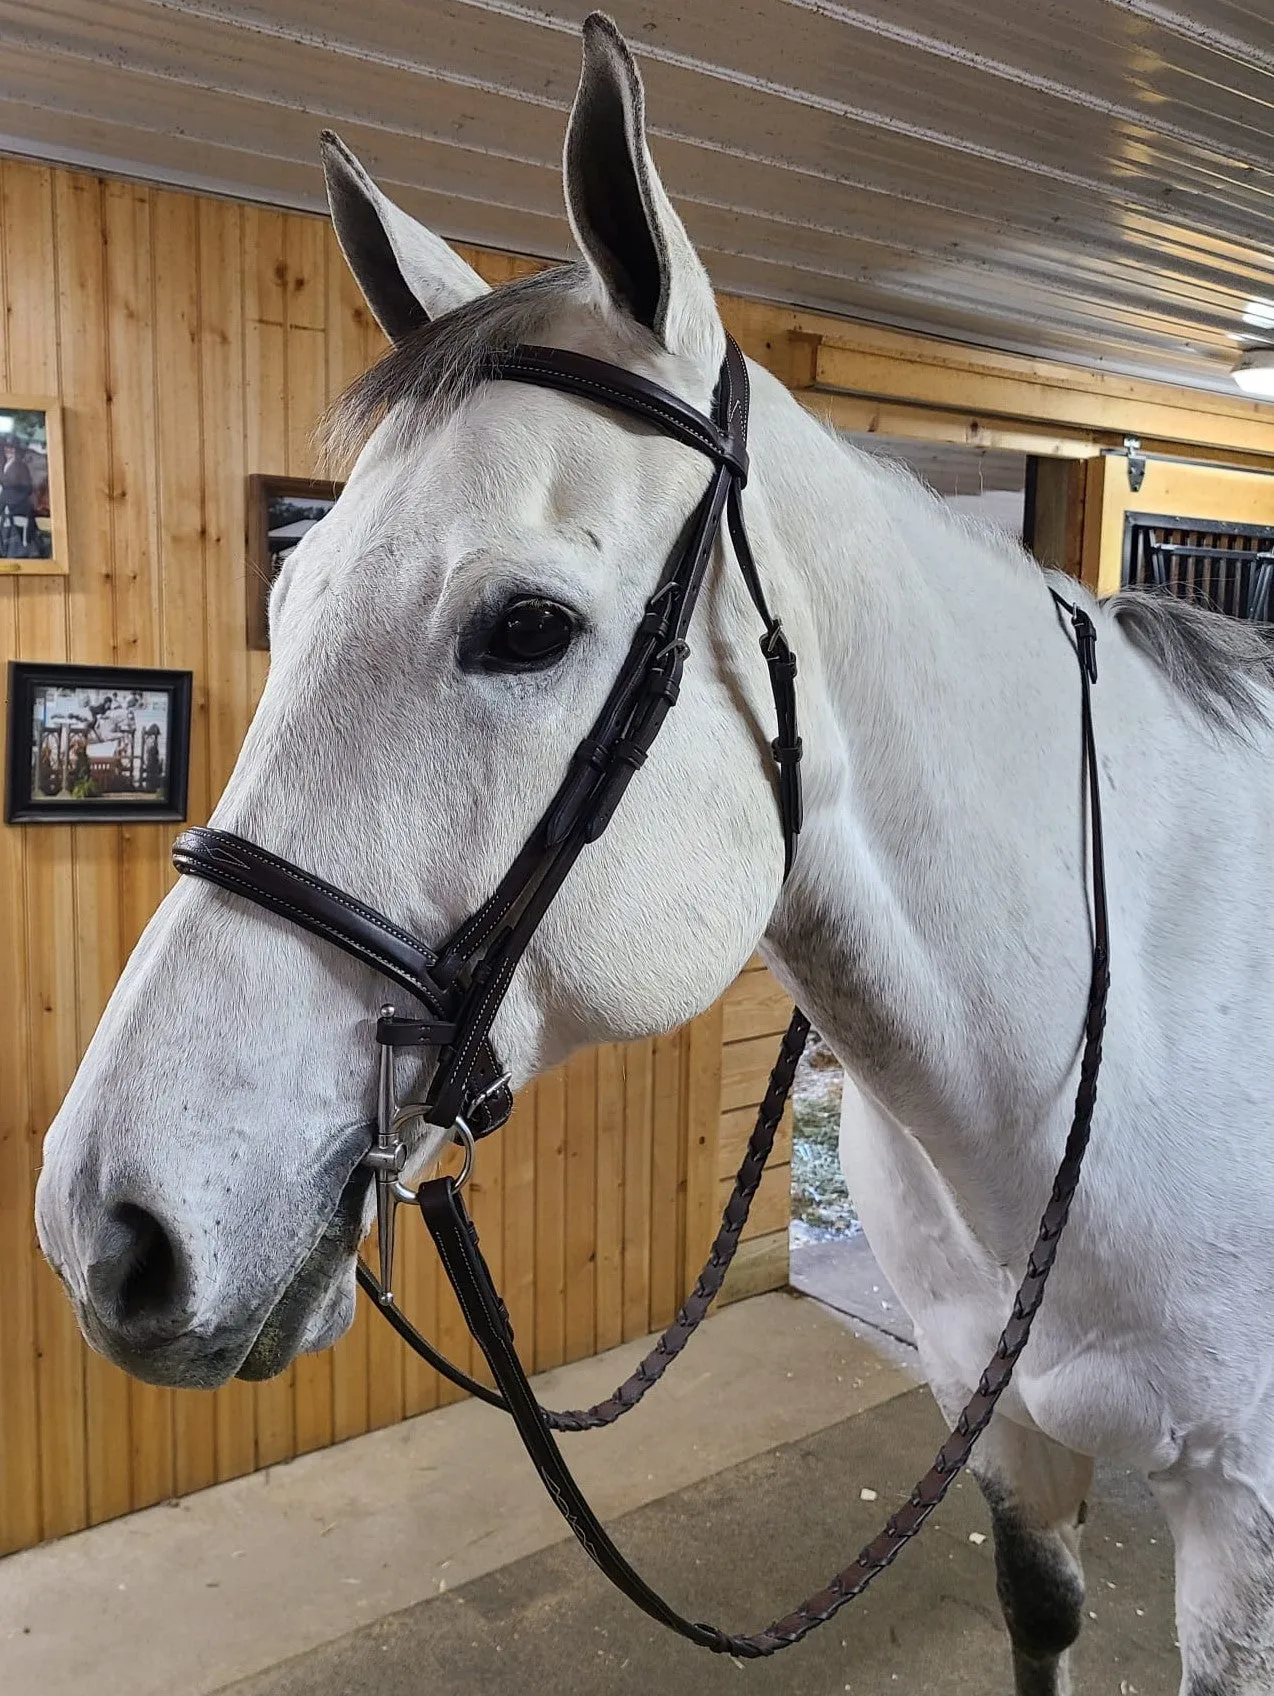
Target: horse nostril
{"points": [[136, 1278]]}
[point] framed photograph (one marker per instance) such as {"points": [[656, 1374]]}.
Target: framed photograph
{"points": [[100, 743], [280, 511], [32, 495]]}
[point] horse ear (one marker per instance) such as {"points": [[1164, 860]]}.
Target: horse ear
{"points": [[635, 244], [407, 274]]}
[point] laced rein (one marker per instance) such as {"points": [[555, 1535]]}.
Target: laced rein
{"points": [[457, 1242]]}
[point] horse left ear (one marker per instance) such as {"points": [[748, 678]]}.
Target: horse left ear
{"points": [[408, 275], [635, 244]]}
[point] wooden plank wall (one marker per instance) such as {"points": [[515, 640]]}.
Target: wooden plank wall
{"points": [[193, 341], [755, 1013]]}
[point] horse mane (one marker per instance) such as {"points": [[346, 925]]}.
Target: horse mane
{"points": [[435, 368], [1223, 666]]}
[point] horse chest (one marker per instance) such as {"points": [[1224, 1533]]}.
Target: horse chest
{"points": [[1086, 1380]]}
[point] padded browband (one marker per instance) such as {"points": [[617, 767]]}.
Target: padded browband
{"points": [[595, 380], [240, 866]]}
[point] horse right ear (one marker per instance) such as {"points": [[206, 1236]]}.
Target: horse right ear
{"points": [[620, 213], [408, 275]]}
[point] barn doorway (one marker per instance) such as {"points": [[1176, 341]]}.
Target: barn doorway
{"points": [[988, 484]]}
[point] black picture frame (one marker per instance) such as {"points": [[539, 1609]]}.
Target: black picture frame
{"points": [[53, 775], [305, 499]]}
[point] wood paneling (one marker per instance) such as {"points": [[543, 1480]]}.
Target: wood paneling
{"points": [[30, 611], [745, 1071], [754, 1014], [736, 1127], [772, 1204], [754, 1005], [191, 342]]}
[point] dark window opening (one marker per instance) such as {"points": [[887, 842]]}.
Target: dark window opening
{"points": [[1228, 567]]}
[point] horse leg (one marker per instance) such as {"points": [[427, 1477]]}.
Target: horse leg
{"points": [[1224, 1537], [1036, 1492]]}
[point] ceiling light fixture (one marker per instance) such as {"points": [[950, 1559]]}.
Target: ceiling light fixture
{"points": [[1254, 373]]}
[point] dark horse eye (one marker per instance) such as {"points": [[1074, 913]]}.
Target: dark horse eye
{"points": [[528, 634]]}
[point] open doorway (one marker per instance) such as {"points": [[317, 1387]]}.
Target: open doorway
{"points": [[984, 483], [829, 1256]]}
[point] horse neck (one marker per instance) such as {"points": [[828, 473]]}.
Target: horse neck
{"points": [[936, 925]]}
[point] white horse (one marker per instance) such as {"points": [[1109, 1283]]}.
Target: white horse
{"points": [[196, 1193]]}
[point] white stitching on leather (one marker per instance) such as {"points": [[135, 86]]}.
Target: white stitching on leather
{"points": [[338, 896], [309, 921], [441, 1245]]}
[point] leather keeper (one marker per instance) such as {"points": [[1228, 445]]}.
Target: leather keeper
{"points": [[394, 1032]]}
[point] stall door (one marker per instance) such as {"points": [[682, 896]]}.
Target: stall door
{"points": [[1202, 531]]}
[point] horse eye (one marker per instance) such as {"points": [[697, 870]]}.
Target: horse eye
{"points": [[528, 634]]}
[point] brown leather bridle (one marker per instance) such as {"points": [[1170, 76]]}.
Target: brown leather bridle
{"points": [[462, 983]]}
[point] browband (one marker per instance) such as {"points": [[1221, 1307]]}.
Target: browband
{"points": [[592, 379]]}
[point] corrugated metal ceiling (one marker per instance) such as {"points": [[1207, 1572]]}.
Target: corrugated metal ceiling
{"points": [[1092, 179]]}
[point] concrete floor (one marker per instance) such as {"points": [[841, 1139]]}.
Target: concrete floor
{"points": [[425, 1558], [745, 1544], [842, 1273]]}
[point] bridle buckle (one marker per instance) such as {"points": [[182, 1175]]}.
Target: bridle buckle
{"points": [[389, 1153]]}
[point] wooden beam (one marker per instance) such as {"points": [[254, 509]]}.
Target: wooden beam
{"points": [[861, 415], [923, 371], [1224, 495], [1054, 527], [760, 1265]]}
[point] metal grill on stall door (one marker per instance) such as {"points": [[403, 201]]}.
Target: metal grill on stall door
{"points": [[1229, 567]]}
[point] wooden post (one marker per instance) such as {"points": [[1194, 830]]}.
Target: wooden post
{"points": [[1054, 522]]}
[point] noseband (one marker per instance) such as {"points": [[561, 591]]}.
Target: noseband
{"points": [[461, 985]]}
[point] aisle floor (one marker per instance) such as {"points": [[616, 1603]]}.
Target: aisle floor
{"points": [[425, 1558]]}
